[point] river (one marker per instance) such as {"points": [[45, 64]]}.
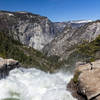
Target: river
{"points": [[34, 84]]}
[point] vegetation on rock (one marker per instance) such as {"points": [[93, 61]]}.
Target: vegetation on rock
{"points": [[85, 52], [88, 50], [29, 57], [76, 76]]}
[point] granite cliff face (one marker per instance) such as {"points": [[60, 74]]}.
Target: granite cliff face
{"points": [[64, 44], [33, 30], [59, 26], [30, 29], [86, 82]]}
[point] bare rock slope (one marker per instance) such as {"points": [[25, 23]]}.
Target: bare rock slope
{"points": [[30, 29], [64, 44], [87, 81]]}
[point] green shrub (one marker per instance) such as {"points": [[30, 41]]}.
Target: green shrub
{"points": [[76, 76], [89, 49], [53, 58]]}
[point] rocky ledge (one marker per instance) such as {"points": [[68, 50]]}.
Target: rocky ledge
{"points": [[85, 84], [6, 65]]}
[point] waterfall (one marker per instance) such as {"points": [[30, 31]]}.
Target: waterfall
{"points": [[34, 84]]}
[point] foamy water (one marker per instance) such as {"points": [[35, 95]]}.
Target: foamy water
{"points": [[33, 84]]}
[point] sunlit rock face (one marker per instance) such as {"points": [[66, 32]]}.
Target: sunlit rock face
{"points": [[30, 29], [86, 81]]}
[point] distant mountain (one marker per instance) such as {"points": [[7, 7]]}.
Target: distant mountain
{"points": [[31, 29], [58, 40], [78, 23], [59, 26]]}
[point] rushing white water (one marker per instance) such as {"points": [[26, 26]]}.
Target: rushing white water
{"points": [[33, 84]]}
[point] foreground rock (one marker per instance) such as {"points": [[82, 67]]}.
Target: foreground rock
{"points": [[86, 82], [6, 65]]}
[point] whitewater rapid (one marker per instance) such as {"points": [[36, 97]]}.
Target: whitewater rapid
{"points": [[33, 84]]}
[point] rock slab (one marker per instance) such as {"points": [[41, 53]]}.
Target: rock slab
{"points": [[88, 82]]}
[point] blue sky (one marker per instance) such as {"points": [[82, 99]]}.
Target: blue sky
{"points": [[56, 10]]}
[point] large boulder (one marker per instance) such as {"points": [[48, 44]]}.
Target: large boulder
{"points": [[6, 65], [87, 81]]}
